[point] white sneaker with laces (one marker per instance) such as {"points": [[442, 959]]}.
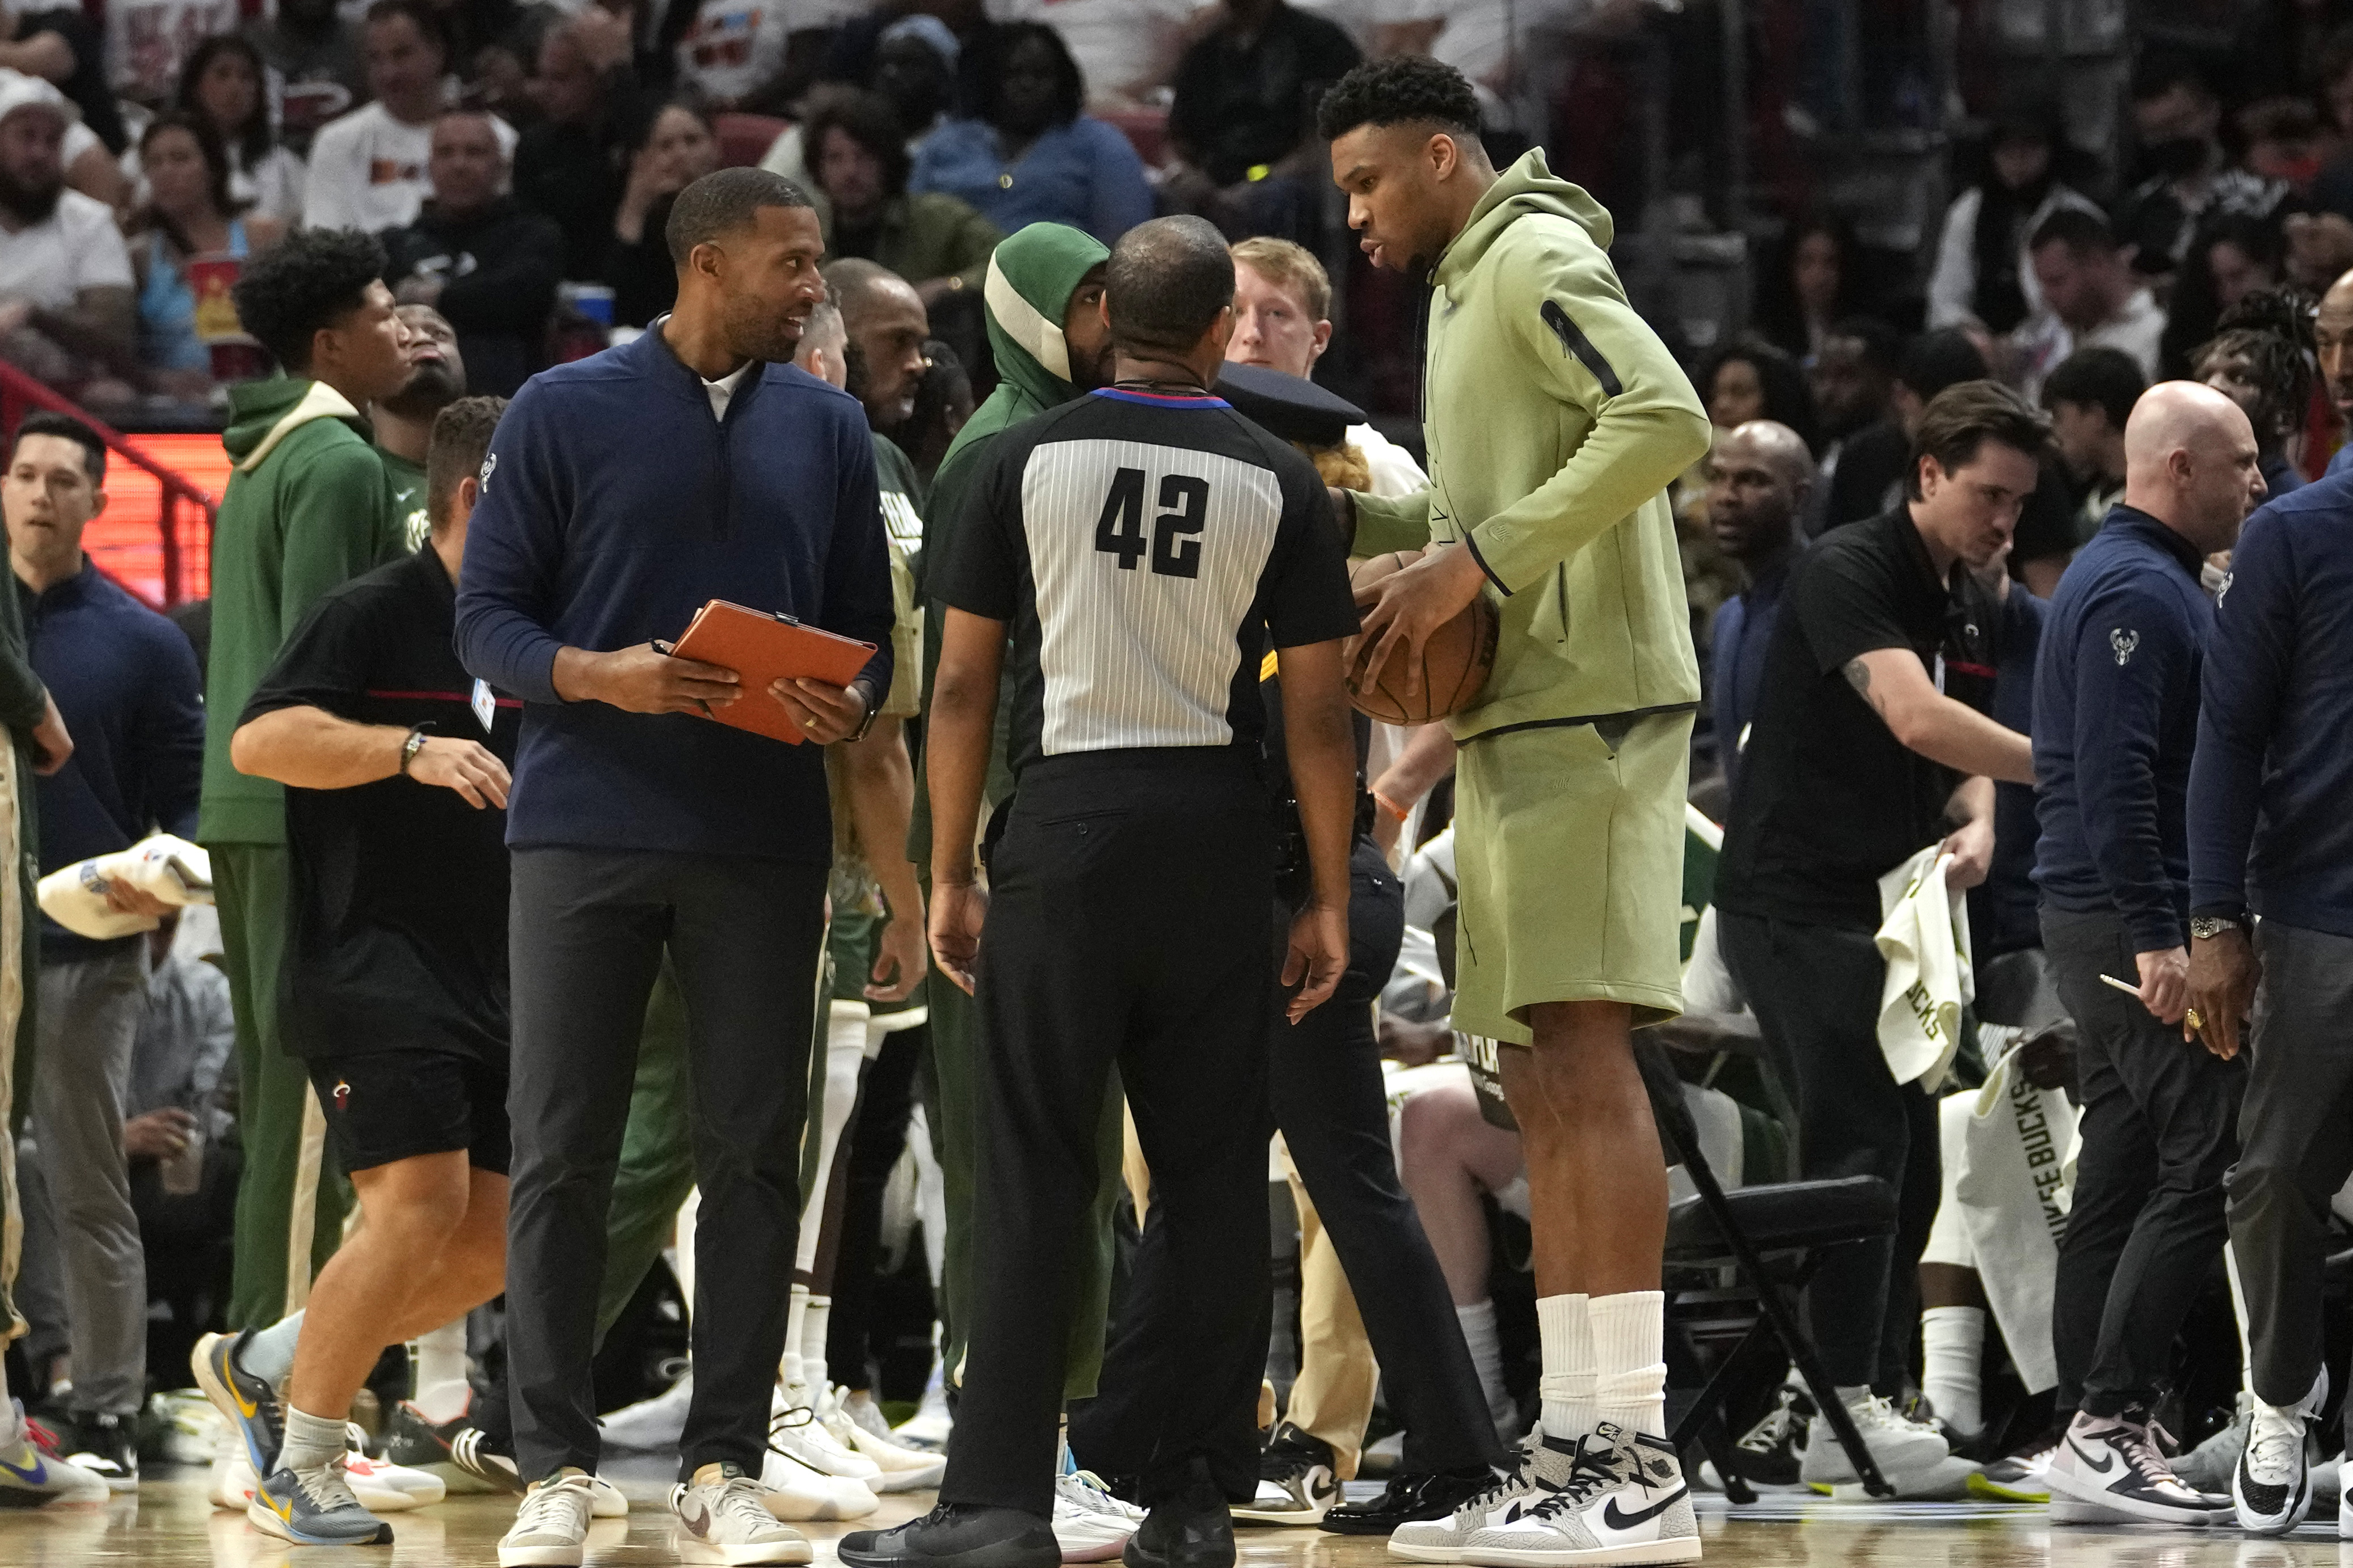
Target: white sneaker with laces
{"points": [[367, 1478], [904, 1469], [1090, 1524], [798, 1494], [650, 1425], [30, 1477], [794, 1431], [929, 1426], [1898, 1445], [724, 1517], [2114, 1463], [551, 1527], [1542, 1466], [2270, 1487], [1624, 1502]]}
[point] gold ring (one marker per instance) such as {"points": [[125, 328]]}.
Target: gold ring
{"points": [[2197, 1025], [808, 723]]}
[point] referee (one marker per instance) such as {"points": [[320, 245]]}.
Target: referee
{"points": [[1142, 547]]}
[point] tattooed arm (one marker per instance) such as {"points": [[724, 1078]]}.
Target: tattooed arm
{"points": [[1927, 721]]}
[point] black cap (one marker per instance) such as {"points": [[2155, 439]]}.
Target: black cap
{"points": [[1286, 406]]}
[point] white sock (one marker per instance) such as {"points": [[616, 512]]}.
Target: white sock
{"points": [[12, 1426], [1630, 1364], [310, 1440], [795, 1316], [1566, 1338], [1952, 1344], [438, 1372], [1479, 1337], [269, 1354], [812, 1332]]}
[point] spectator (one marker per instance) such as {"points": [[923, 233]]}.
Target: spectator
{"points": [[2262, 360], [2089, 397], [403, 422], [1849, 772], [1871, 464], [1852, 377], [1126, 49], [125, 683], [859, 161], [62, 49], [673, 148], [914, 71], [479, 258], [570, 165], [2091, 299], [2185, 172], [1982, 274], [225, 86], [2284, 138], [1750, 379], [1027, 155], [317, 63], [2333, 191], [1812, 279], [189, 213], [2332, 336], [65, 305], [2233, 255], [1241, 116], [2115, 722], [368, 169], [148, 42], [751, 58], [1758, 477]]}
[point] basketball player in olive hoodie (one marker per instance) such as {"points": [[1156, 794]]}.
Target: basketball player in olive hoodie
{"points": [[306, 509], [1555, 419], [1043, 297]]}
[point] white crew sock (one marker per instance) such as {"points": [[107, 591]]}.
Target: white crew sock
{"points": [[438, 1372], [1952, 1344], [1486, 1349], [1566, 1338], [796, 1317], [12, 1426], [1630, 1364], [269, 1354], [812, 1332], [310, 1440]]}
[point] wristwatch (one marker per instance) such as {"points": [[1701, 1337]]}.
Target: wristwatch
{"points": [[873, 703], [2206, 927], [410, 747]]}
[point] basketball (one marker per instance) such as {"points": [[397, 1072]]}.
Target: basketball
{"points": [[1454, 662]]}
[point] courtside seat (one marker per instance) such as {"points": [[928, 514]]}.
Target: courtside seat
{"points": [[1782, 1217]]}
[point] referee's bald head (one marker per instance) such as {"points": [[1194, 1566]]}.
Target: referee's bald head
{"points": [[1169, 281]]}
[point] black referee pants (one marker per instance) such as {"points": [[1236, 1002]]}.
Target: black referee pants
{"points": [[1131, 914], [587, 935]]}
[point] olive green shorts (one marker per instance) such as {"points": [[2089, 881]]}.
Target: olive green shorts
{"points": [[1569, 861]]}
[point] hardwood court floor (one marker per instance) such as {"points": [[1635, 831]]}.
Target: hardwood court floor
{"points": [[169, 1525]]}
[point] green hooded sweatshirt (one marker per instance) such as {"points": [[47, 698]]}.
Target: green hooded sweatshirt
{"points": [[307, 508], [1555, 420], [1031, 277]]}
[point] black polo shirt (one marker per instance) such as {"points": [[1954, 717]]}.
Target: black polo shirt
{"points": [[1830, 801], [396, 911]]}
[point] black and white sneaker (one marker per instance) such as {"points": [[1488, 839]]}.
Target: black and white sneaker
{"points": [[2272, 1485], [1766, 1454], [1296, 1482], [105, 1446], [2111, 1466]]}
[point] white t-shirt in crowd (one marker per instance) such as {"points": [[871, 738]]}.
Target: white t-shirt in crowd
{"points": [[367, 170], [1394, 471], [738, 46], [1479, 34], [271, 188], [76, 247], [148, 41], [1124, 48]]}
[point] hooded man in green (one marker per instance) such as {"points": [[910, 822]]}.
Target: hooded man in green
{"points": [[1044, 299], [1554, 419], [306, 509]]}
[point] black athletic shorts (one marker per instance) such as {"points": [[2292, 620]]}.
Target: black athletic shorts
{"points": [[384, 1106]]}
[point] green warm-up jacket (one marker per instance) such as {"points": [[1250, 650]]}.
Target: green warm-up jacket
{"points": [[1555, 420]]}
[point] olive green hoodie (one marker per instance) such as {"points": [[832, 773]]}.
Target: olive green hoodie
{"points": [[306, 509], [1555, 420]]}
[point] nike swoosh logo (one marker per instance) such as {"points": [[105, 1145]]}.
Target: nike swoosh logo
{"points": [[697, 1522], [38, 1475], [2097, 1466], [404, 495], [1617, 1519]]}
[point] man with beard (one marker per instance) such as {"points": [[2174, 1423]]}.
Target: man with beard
{"points": [[403, 422], [622, 493], [66, 303]]}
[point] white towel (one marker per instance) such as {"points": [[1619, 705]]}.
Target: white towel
{"points": [[2015, 1187], [1925, 938], [171, 870]]}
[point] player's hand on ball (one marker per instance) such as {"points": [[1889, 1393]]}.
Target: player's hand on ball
{"points": [[1318, 956], [1408, 605], [958, 909]]}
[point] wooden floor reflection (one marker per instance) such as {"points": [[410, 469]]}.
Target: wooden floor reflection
{"points": [[169, 1525]]}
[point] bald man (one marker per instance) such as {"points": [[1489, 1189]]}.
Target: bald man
{"points": [[2115, 721], [2332, 331], [887, 326], [1758, 476]]}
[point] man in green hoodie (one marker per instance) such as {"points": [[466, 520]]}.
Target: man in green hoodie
{"points": [[1043, 297], [306, 509], [1554, 419]]}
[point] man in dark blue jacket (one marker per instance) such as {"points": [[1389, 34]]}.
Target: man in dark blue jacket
{"points": [[2115, 718], [2271, 836], [622, 492], [1758, 478], [124, 680]]}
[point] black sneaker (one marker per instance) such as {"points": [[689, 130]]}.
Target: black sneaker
{"points": [[456, 1450], [1297, 1483], [1410, 1498], [105, 1446], [957, 1535], [1188, 1527]]}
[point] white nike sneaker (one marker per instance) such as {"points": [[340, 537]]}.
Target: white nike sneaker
{"points": [[798, 1494], [31, 1477], [1090, 1524], [1898, 1445], [1625, 1502], [723, 1518], [650, 1425], [2345, 1514], [929, 1426], [904, 1469], [794, 1430], [2272, 1485], [2113, 1464], [551, 1527], [375, 1477], [1543, 1465]]}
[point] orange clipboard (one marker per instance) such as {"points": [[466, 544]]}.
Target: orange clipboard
{"points": [[761, 647]]}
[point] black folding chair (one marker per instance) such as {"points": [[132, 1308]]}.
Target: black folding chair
{"points": [[1774, 1237]]}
